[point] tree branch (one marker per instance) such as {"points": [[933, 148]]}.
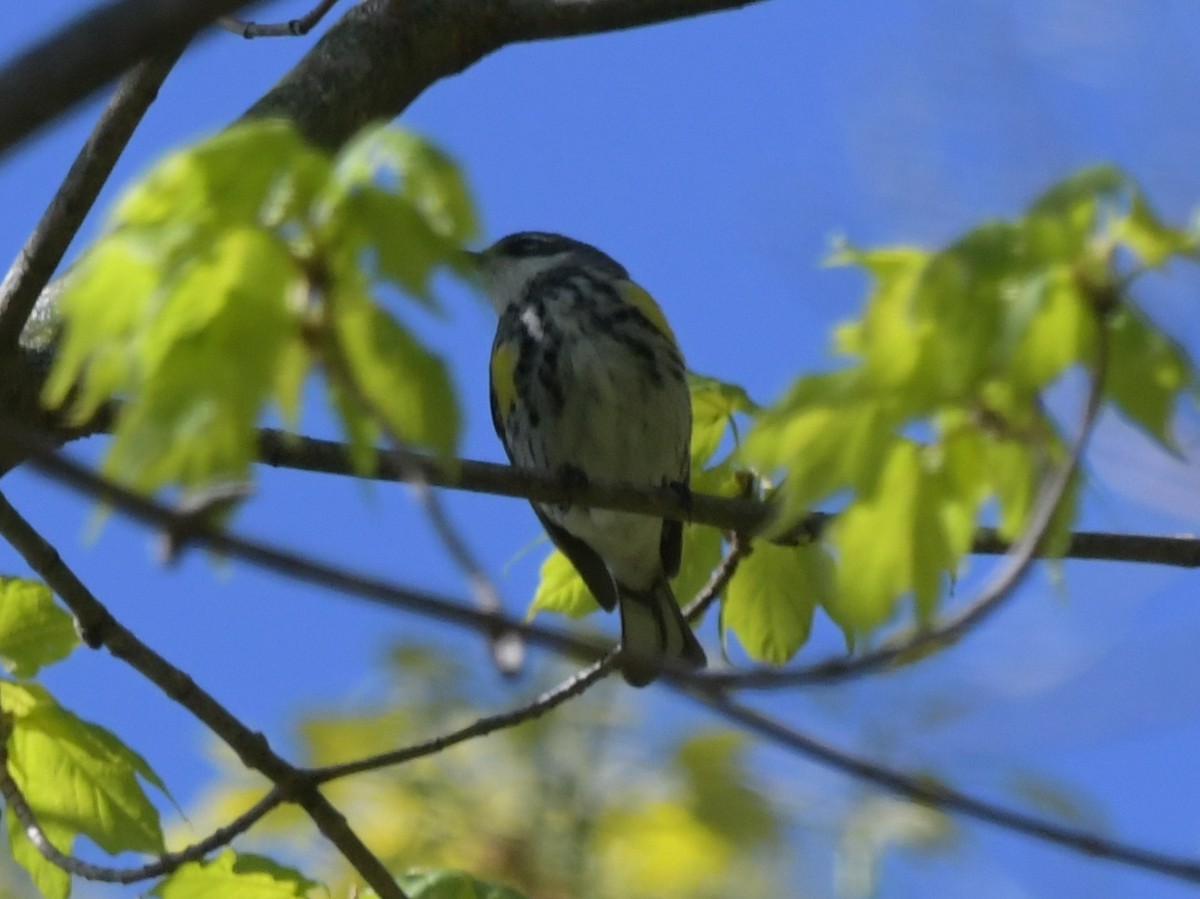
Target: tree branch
{"points": [[99, 628], [185, 528], [920, 788], [556, 696], [383, 54], [573, 686], [44, 250], [290, 28], [87, 53], [745, 516]]}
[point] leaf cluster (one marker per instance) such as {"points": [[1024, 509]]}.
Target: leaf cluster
{"points": [[237, 268]]}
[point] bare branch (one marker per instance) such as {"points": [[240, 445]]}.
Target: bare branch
{"points": [[88, 52], [44, 250], [744, 516], [920, 788], [99, 628], [290, 28], [568, 689]]}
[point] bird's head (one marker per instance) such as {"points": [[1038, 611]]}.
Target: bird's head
{"points": [[508, 267]]}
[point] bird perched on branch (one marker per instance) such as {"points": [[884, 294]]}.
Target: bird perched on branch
{"points": [[587, 381]]}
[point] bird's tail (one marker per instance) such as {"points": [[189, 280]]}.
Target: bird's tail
{"points": [[654, 630]]}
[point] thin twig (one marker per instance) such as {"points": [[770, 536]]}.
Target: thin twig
{"points": [[290, 28], [573, 686], [920, 788], [44, 250], [1002, 584], [164, 864], [100, 628], [745, 516], [739, 548]]}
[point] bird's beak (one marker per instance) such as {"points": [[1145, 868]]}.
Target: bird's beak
{"points": [[470, 264]]}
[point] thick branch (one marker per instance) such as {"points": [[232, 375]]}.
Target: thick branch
{"points": [[383, 54], [87, 53]]}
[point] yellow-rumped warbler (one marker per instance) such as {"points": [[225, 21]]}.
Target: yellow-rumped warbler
{"points": [[588, 382]]}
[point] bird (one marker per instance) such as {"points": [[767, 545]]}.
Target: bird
{"points": [[587, 381]]}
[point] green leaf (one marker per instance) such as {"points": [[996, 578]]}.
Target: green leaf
{"points": [[1061, 331], [206, 362], [404, 247], [770, 601], [452, 885], [561, 589], [1146, 373], [34, 631], [894, 541], [1155, 242], [233, 875], [714, 405], [722, 796], [701, 554], [77, 776], [258, 172], [828, 433], [106, 297], [430, 181], [51, 880], [405, 382], [1061, 223]]}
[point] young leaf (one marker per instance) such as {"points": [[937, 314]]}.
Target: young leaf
{"points": [[1147, 371], [77, 776], [770, 601], [407, 383], [714, 405], [51, 880], [561, 589], [430, 181], [233, 875], [34, 631], [722, 796], [206, 364], [452, 885]]}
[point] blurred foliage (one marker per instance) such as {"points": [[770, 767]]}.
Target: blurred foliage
{"points": [[559, 807]]}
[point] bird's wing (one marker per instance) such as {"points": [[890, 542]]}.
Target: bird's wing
{"points": [[587, 562]]}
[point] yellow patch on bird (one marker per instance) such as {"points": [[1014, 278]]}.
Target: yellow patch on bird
{"points": [[639, 298], [504, 385]]}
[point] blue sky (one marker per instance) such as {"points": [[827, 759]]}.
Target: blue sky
{"points": [[717, 158]]}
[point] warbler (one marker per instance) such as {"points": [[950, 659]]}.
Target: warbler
{"points": [[587, 381]]}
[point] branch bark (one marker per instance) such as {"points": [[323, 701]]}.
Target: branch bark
{"points": [[84, 55]]}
